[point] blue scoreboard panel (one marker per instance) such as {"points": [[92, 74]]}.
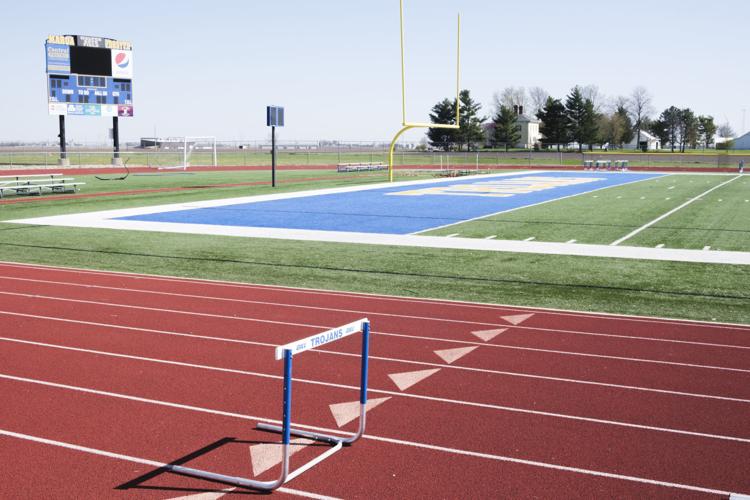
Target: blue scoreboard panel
{"points": [[89, 76]]}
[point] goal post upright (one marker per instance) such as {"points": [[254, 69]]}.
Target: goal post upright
{"points": [[406, 125]]}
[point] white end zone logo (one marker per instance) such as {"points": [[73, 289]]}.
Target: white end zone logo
{"points": [[501, 188]]}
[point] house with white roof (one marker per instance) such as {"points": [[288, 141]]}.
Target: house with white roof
{"points": [[649, 142]]}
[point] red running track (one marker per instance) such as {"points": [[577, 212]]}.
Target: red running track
{"points": [[106, 375]]}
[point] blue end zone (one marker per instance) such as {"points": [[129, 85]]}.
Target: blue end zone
{"points": [[403, 209]]}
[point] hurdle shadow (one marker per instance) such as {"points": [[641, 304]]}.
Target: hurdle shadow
{"points": [[139, 483]]}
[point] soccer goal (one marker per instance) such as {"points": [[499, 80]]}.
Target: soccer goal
{"points": [[193, 151]]}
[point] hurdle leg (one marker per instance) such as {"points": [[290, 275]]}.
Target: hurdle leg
{"points": [[285, 431], [327, 438]]}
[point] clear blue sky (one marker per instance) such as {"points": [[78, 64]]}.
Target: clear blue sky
{"points": [[210, 67]]}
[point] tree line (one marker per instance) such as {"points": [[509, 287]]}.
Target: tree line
{"points": [[584, 117]]}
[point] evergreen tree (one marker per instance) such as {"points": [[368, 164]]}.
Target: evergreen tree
{"points": [[627, 133], [668, 126], [589, 127], [688, 129], [506, 128], [582, 118], [471, 132], [555, 125], [706, 130], [443, 112]]}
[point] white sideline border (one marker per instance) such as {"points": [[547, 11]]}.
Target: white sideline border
{"points": [[105, 220]]}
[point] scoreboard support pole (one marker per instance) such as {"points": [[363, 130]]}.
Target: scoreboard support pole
{"points": [[116, 141], [274, 118], [64, 162], [273, 156]]}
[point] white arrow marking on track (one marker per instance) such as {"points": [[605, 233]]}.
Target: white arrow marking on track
{"points": [[517, 319], [407, 379], [346, 412], [266, 455], [451, 355], [488, 335]]}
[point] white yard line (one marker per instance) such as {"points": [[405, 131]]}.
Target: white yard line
{"points": [[664, 216], [541, 202]]}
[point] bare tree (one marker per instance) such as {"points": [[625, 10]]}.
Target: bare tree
{"points": [[618, 102], [592, 93], [539, 98], [510, 97], [640, 109], [725, 131]]}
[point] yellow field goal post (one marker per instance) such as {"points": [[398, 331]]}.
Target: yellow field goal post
{"points": [[406, 125]]}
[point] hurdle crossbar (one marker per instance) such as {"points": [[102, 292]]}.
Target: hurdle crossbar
{"points": [[286, 352]]}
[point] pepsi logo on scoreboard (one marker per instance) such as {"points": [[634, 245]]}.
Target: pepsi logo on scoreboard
{"points": [[122, 64]]}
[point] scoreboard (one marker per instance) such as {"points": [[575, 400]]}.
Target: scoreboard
{"points": [[89, 76]]}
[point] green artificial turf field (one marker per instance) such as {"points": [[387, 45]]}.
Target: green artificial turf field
{"points": [[671, 289], [720, 219]]}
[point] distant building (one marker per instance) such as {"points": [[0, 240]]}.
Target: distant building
{"points": [[648, 142], [530, 134], [528, 126], [742, 142]]}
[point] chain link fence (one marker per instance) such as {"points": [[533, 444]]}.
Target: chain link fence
{"points": [[309, 154]]}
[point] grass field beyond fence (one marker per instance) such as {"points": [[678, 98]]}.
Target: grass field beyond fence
{"points": [[21, 158]]}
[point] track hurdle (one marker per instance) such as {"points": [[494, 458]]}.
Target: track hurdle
{"points": [[286, 352]]}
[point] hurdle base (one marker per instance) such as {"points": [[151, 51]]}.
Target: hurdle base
{"points": [[326, 438], [233, 480]]}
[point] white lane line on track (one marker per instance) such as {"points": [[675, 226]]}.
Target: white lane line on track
{"points": [[328, 309], [532, 463], [128, 458], [323, 327], [408, 395], [664, 216], [355, 311], [222, 413], [410, 362], [385, 298], [360, 311]]}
